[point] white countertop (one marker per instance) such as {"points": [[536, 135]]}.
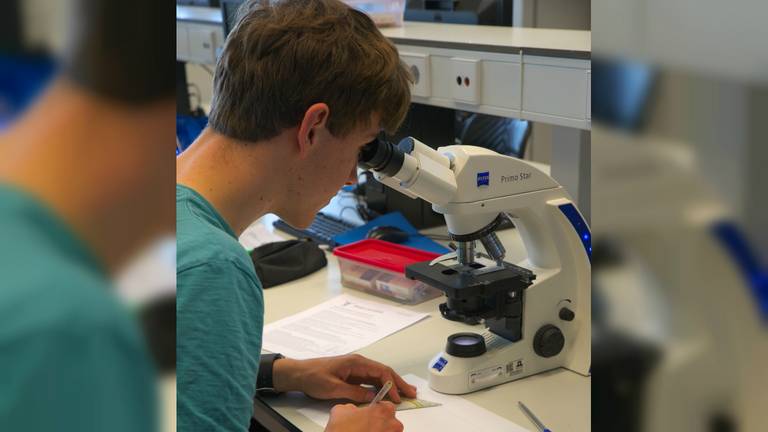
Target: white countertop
{"points": [[578, 41], [199, 14], [454, 35]]}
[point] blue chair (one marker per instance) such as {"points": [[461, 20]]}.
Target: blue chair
{"points": [[502, 135]]}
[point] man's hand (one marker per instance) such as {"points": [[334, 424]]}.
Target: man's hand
{"points": [[338, 378], [375, 418]]}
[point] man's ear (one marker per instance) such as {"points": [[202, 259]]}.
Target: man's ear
{"points": [[314, 122]]}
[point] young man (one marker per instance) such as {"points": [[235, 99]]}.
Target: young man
{"points": [[85, 182], [300, 87]]}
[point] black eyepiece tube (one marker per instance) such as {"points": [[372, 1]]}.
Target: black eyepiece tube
{"points": [[381, 156]]}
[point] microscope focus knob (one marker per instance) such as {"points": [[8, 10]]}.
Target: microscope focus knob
{"points": [[549, 341], [566, 314]]}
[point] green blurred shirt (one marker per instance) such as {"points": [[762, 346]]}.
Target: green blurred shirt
{"points": [[219, 319], [71, 355]]}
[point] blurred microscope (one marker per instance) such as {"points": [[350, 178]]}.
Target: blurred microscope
{"points": [[680, 301]]}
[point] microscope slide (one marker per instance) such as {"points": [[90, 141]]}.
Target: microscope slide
{"points": [[409, 404]]}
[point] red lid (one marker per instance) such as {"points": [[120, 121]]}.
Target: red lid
{"points": [[380, 253]]}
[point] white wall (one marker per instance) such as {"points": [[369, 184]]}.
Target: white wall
{"points": [[560, 14]]}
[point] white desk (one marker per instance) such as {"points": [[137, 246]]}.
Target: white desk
{"points": [[563, 43], [167, 399], [560, 398]]}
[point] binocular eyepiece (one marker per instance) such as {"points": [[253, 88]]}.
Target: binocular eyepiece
{"points": [[381, 156]]}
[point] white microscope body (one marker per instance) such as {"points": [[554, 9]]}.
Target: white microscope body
{"points": [[549, 325]]}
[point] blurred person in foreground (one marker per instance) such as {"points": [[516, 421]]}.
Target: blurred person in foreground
{"points": [[299, 89], [85, 182]]}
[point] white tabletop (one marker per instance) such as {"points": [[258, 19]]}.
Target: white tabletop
{"points": [[200, 14], [560, 397], [576, 43], [485, 37]]}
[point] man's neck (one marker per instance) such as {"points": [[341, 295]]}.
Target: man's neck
{"points": [[72, 152], [236, 178]]}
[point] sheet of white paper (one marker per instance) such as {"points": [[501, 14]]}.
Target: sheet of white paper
{"points": [[256, 235], [455, 414], [339, 326]]}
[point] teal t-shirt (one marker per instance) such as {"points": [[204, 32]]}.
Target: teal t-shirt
{"points": [[71, 355], [219, 320]]}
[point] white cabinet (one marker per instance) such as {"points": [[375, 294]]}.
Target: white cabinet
{"points": [[555, 87], [198, 43], [552, 90], [466, 80], [182, 42], [589, 94], [501, 84]]}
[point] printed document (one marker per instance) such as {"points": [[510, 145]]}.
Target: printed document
{"points": [[339, 326]]}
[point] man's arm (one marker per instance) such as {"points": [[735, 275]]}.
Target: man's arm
{"points": [[220, 313]]}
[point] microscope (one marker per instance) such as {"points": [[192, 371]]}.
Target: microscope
{"points": [[537, 311]]}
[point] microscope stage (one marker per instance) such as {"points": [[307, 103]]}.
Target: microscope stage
{"points": [[478, 282]]}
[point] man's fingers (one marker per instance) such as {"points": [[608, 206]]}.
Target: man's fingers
{"points": [[352, 392], [399, 385], [394, 395], [360, 380], [405, 388], [398, 426], [342, 408], [367, 371], [386, 411], [385, 407]]}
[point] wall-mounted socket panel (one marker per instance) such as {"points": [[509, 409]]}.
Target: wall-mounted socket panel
{"points": [[420, 70], [466, 82]]}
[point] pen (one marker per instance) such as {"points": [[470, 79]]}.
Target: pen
{"points": [[380, 395], [533, 418]]}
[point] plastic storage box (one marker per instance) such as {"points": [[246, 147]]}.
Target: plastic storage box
{"points": [[385, 13], [378, 267]]}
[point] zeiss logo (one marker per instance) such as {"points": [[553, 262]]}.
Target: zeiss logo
{"points": [[440, 364], [483, 179]]}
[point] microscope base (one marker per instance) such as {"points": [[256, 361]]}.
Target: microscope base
{"points": [[504, 361]]}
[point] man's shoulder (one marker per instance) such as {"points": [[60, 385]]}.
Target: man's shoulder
{"points": [[68, 334], [199, 243], [57, 295], [49, 292]]}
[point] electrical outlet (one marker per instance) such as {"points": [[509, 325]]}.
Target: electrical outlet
{"points": [[466, 80]]}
